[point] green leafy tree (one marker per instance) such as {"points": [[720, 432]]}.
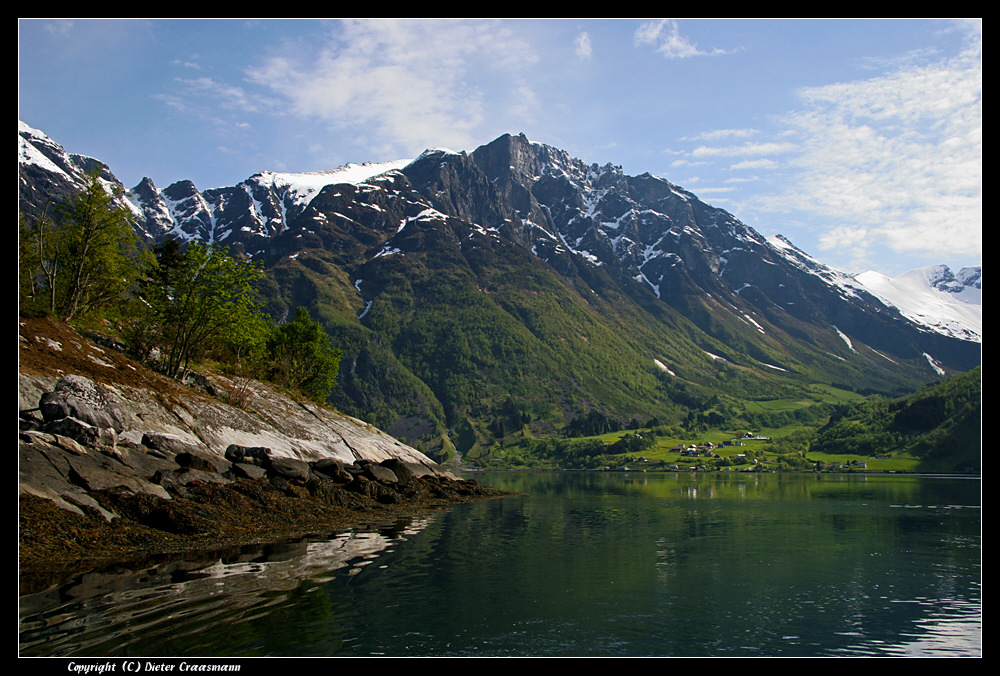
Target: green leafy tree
{"points": [[302, 357], [246, 358], [199, 298], [83, 258]]}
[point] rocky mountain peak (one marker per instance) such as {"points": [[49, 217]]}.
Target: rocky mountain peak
{"points": [[376, 248]]}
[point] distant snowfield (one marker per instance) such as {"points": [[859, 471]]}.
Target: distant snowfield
{"points": [[958, 313], [931, 296], [307, 184]]}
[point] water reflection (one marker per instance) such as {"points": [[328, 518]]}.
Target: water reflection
{"points": [[579, 564], [106, 612]]}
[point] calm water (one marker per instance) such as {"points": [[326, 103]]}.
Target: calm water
{"points": [[585, 564]]}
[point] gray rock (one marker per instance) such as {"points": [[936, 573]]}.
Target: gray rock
{"points": [[242, 470], [256, 455], [380, 473], [94, 472], [99, 436], [166, 442], [81, 398], [332, 469], [69, 444], [146, 464], [290, 469], [198, 461], [166, 478], [404, 473]]}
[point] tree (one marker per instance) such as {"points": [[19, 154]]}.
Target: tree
{"points": [[302, 357], [85, 257], [199, 297]]}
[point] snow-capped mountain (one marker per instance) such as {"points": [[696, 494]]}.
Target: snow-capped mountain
{"points": [[244, 217], [935, 298], [47, 174], [521, 263]]}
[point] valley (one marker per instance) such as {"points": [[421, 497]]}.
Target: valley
{"points": [[805, 435]]}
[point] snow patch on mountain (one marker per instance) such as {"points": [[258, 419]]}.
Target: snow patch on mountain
{"points": [[845, 284], [28, 151], [934, 298], [934, 364], [845, 338], [306, 185]]}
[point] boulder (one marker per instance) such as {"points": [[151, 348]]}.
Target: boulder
{"points": [[380, 473], [80, 398], [197, 461], [83, 433], [290, 469], [253, 455], [95, 472], [403, 472], [331, 468], [183, 475], [242, 470], [169, 443]]}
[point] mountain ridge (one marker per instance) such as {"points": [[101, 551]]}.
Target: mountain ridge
{"points": [[301, 187], [457, 279]]}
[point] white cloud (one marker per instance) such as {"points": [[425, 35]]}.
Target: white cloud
{"points": [[584, 50], [716, 134], [898, 155], [225, 95], [665, 36], [764, 163], [766, 148], [714, 190], [892, 162], [411, 84]]}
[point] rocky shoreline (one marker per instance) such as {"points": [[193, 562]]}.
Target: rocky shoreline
{"points": [[224, 513], [117, 463]]}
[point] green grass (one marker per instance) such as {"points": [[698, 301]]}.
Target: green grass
{"points": [[661, 453], [793, 438], [891, 464]]}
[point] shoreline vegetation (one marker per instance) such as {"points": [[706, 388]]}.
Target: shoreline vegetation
{"points": [[937, 429], [758, 457]]}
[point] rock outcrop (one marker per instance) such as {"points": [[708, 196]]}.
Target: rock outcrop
{"points": [[93, 422]]}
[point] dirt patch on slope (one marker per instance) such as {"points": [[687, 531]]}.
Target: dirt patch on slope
{"points": [[48, 347]]}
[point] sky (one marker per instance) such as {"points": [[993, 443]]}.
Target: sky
{"points": [[858, 140]]}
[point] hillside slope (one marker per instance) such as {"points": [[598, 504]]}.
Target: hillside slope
{"points": [[941, 423]]}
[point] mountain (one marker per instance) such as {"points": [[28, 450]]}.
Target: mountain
{"points": [[935, 298], [516, 286], [47, 174]]}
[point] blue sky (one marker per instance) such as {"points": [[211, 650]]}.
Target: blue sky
{"points": [[859, 140]]}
